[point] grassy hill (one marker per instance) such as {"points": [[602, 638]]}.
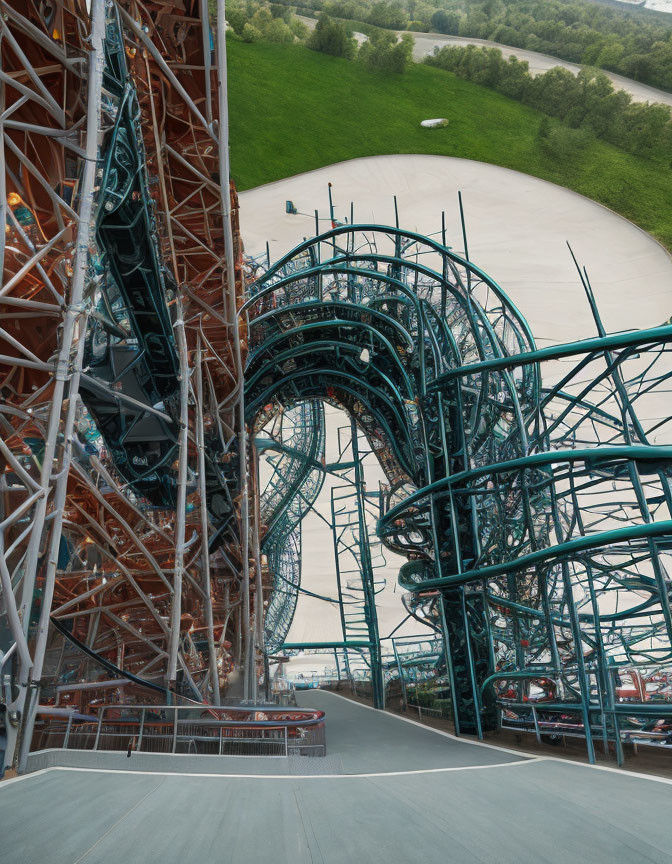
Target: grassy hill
{"points": [[294, 110]]}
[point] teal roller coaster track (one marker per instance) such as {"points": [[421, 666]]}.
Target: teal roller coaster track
{"points": [[535, 516]]}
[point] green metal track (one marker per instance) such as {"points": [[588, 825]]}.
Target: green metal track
{"points": [[537, 520]]}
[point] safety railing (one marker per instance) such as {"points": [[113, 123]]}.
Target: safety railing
{"points": [[229, 731], [627, 714]]}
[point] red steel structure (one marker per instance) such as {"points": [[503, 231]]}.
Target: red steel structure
{"points": [[122, 266]]}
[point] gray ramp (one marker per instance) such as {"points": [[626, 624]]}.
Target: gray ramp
{"points": [[369, 741], [408, 795], [541, 810]]}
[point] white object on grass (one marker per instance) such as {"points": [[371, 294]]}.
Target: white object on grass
{"points": [[431, 124]]}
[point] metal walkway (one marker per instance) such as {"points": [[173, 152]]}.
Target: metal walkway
{"points": [[474, 804]]}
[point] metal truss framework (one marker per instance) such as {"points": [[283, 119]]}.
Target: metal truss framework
{"points": [[123, 519], [137, 553], [298, 473]]}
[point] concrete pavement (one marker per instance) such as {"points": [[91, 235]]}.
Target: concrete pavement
{"points": [[495, 810]]}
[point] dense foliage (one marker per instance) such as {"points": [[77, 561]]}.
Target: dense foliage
{"points": [[586, 101], [383, 52], [256, 21], [332, 37], [261, 21], [636, 42]]}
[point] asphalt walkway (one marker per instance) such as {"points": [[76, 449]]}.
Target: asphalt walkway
{"points": [[475, 805], [367, 741]]}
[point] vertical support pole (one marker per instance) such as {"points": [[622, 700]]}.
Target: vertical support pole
{"points": [[230, 304], [207, 55], [249, 648], [98, 731], [602, 671], [580, 662], [472, 673], [259, 593], [402, 682], [67, 733], [59, 404], [267, 678], [205, 553], [181, 506], [331, 205], [449, 664], [3, 179], [620, 758], [444, 267], [319, 277], [536, 724], [332, 218], [370, 612], [464, 238], [341, 608], [142, 729]]}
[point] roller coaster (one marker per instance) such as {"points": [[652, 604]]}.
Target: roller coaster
{"points": [[163, 434]]}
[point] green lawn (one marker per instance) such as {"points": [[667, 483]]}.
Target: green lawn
{"points": [[293, 110]]}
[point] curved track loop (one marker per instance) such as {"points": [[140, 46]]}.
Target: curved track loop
{"points": [[536, 519]]}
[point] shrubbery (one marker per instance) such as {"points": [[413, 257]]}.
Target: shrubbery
{"points": [[383, 52], [265, 22], [562, 142], [332, 37], [258, 21]]}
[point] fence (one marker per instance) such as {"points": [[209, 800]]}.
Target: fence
{"points": [[229, 731]]}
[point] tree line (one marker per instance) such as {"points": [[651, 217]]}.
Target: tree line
{"points": [[255, 21], [383, 51], [636, 43], [586, 103], [259, 21]]}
